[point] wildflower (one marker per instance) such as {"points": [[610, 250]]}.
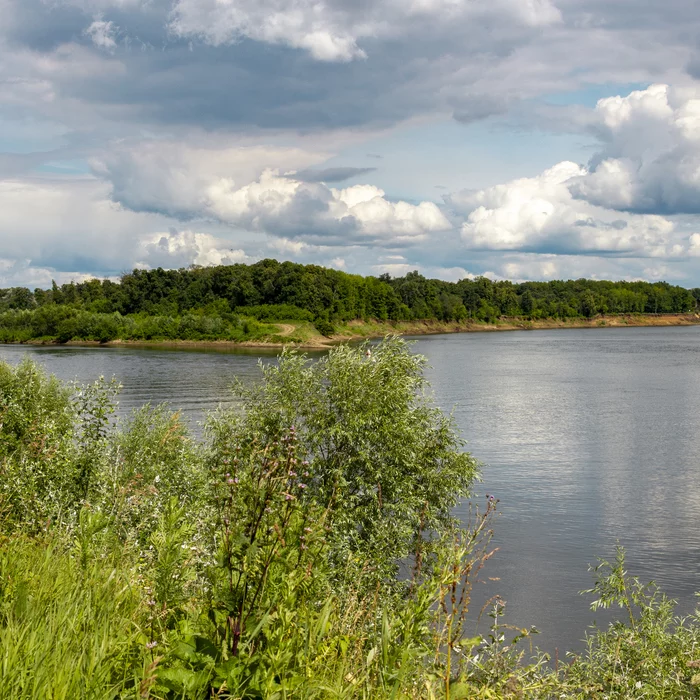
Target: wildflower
{"points": [[292, 473], [305, 463], [301, 486], [307, 529], [151, 645], [288, 497], [230, 482]]}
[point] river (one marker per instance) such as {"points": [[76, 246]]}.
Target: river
{"points": [[587, 437]]}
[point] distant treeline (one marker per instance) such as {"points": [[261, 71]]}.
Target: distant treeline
{"points": [[231, 301]]}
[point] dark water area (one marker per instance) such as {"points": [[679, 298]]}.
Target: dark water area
{"points": [[588, 437]]}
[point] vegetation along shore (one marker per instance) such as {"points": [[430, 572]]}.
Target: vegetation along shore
{"points": [[274, 304], [304, 547]]}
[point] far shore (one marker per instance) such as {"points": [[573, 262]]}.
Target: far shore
{"points": [[362, 330]]}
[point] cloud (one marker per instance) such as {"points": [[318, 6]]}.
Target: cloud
{"points": [[238, 186], [308, 25], [80, 230], [331, 30], [451, 274], [225, 115], [694, 247], [21, 273], [312, 211], [540, 214], [176, 249], [179, 179], [650, 160], [247, 74], [103, 34], [530, 266]]}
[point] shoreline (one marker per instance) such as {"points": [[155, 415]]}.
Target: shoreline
{"points": [[359, 330]]}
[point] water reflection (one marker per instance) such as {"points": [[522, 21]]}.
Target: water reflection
{"points": [[589, 437]]}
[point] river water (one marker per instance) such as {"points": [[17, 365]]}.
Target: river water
{"points": [[588, 437]]}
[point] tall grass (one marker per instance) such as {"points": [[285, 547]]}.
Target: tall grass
{"points": [[69, 626]]}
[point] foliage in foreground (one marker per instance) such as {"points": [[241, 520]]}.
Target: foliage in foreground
{"points": [[262, 561]]}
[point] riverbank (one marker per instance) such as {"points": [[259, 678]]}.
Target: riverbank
{"points": [[303, 335], [357, 329]]}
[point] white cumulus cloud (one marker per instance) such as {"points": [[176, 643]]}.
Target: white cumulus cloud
{"points": [[182, 248], [79, 227], [282, 205], [254, 188], [650, 161], [540, 214]]}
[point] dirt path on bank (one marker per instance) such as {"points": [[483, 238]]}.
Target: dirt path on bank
{"points": [[287, 328]]}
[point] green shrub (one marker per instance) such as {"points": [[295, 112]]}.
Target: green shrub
{"points": [[276, 312], [377, 451], [324, 327], [37, 449]]}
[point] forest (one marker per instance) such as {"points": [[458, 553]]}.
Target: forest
{"points": [[237, 302]]}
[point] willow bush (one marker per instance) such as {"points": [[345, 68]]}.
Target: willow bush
{"points": [[377, 453]]}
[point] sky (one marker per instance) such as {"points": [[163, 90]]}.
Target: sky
{"points": [[517, 139]]}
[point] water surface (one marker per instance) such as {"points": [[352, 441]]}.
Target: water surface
{"points": [[588, 436]]}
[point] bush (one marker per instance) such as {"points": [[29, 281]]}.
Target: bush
{"points": [[379, 454], [37, 449], [324, 327], [275, 312]]}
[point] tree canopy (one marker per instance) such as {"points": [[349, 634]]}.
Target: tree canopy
{"points": [[230, 302], [337, 295]]}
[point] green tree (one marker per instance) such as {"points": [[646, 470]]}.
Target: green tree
{"points": [[385, 461], [588, 304], [527, 303]]}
